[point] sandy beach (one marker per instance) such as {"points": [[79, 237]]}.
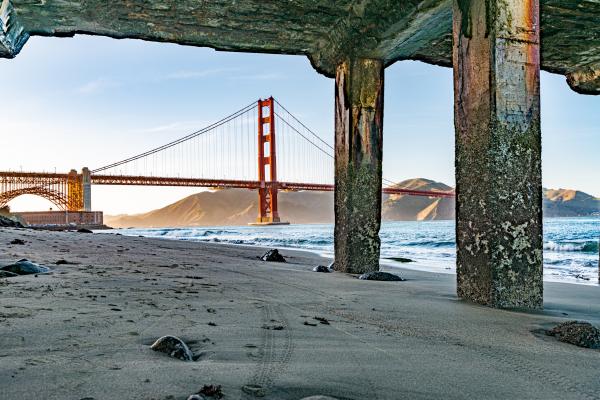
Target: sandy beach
{"points": [[84, 330]]}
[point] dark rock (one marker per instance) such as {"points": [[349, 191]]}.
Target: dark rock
{"points": [[174, 347], [7, 274], [64, 262], [17, 241], [83, 230], [380, 276], [9, 223], [273, 327], [273, 255], [25, 267], [401, 259], [579, 333], [321, 268]]}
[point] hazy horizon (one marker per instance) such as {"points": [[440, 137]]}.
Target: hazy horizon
{"points": [[89, 101]]}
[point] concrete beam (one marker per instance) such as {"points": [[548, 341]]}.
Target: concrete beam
{"points": [[585, 81], [12, 33], [326, 31], [358, 156], [498, 152]]}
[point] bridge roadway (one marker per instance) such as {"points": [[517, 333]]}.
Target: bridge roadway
{"points": [[48, 178]]}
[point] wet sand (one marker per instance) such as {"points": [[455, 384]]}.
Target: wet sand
{"points": [[83, 331]]}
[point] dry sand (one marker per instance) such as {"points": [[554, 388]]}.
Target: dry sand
{"points": [[83, 332]]}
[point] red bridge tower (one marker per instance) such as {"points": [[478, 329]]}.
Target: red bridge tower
{"points": [[267, 164]]}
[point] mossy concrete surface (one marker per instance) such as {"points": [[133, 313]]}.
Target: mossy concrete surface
{"points": [[498, 155], [358, 156]]}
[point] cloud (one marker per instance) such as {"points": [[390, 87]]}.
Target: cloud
{"points": [[259, 77], [198, 74], [184, 127], [97, 86]]}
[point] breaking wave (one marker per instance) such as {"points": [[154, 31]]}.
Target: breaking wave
{"points": [[585, 247]]}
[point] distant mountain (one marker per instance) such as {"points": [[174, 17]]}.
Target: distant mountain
{"points": [[240, 207], [418, 208], [569, 203]]}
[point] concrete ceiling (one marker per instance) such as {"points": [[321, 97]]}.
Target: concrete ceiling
{"points": [[326, 31]]}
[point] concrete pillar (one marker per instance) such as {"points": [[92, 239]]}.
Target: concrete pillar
{"points": [[358, 154], [498, 152], [86, 180]]}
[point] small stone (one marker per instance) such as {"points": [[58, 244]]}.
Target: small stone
{"points": [[579, 333], [321, 268], [174, 347], [25, 267], [83, 230], [273, 255], [380, 276], [17, 241], [254, 390]]}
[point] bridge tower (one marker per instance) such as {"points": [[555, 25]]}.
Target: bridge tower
{"points": [[267, 193], [86, 183]]}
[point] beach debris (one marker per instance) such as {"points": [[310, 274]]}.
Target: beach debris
{"points": [[322, 320], [401, 259], [321, 268], [380, 276], [7, 274], [25, 267], [273, 255], [254, 390], [214, 391], [579, 333], [17, 241], [174, 347], [83, 230]]}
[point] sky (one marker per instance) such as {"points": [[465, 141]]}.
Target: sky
{"points": [[88, 101]]}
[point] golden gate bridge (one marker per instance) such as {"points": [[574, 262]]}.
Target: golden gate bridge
{"points": [[261, 147]]}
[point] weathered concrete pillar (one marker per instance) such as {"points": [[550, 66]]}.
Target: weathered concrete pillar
{"points": [[86, 180], [358, 154], [498, 152]]}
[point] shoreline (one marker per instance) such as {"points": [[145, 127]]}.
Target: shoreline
{"points": [[416, 265], [84, 330]]}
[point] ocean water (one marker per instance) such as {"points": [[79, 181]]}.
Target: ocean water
{"points": [[570, 244]]}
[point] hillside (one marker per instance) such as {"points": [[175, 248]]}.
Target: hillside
{"points": [[240, 207], [570, 203]]}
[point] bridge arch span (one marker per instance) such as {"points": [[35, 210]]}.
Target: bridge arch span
{"points": [[54, 196]]}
